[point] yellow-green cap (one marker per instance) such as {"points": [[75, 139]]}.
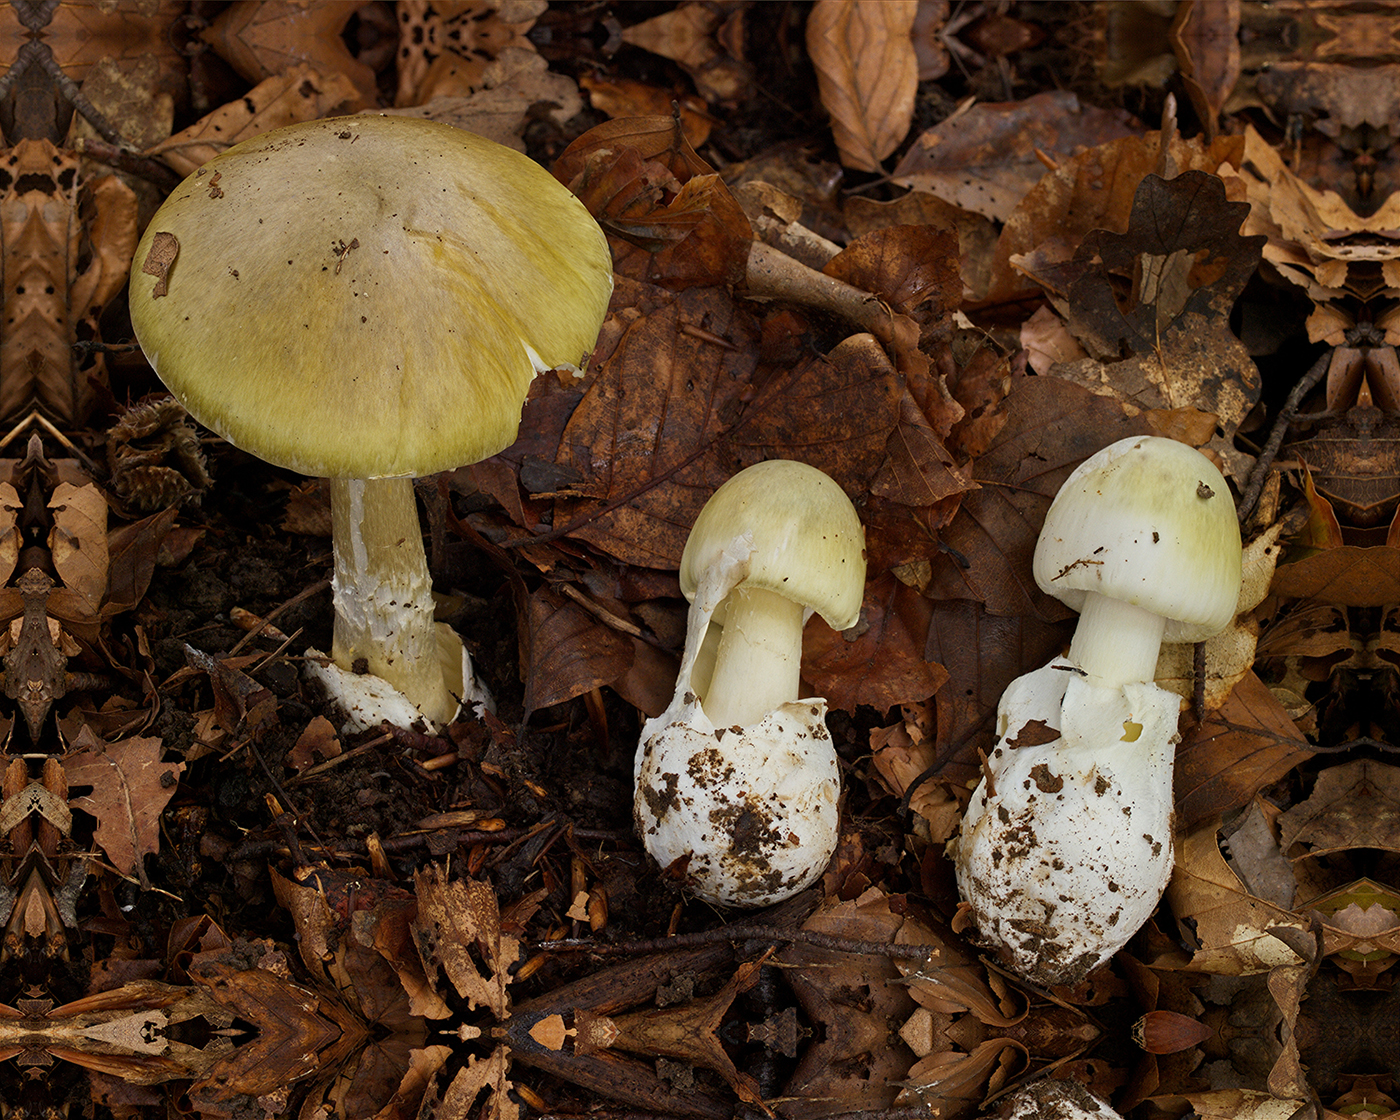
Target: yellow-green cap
{"points": [[367, 296], [808, 542]]}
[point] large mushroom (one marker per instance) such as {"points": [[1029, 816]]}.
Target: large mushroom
{"points": [[367, 299], [1066, 847], [738, 776]]}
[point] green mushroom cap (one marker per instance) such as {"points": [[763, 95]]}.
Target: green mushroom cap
{"points": [[368, 296]]}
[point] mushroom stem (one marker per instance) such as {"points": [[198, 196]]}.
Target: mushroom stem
{"points": [[759, 659], [1116, 642], [383, 592]]}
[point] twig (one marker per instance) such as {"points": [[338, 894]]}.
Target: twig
{"points": [[921, 953]]}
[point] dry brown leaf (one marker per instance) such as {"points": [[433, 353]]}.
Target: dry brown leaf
{"points": [[1314, 237], [859, 997], [1051, 426], [454, 916], [1095, 190], [1181, 264], [10, 538], [78, 542], [1228, 927], [81, 35], [265, 38], [133, 552], [977, 236], [1348, 576], [669, 218], [457, 1102], [880, 661], [952, 1083], [516, 87], [624, 97], [1360, 919], [1206, 40], [867, 74], [1352, 805], [687, 34], [1243, 746], [666, 418], [446, 46], [130, 789], [987, 159], [902, 752], [317, 743], [1048, 342], [48, 298], [301, 94], [134, 97], [566, 650]]}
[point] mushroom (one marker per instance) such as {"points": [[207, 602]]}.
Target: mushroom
{"points": [[367, 299], [1066, 847], [738, 774]]}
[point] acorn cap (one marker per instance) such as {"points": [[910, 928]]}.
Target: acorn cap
{"points": [[809, 545], [1149, 521], [367, 296]]}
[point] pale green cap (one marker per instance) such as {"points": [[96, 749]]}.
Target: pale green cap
{"points": [[367, 296], [808, 542]]}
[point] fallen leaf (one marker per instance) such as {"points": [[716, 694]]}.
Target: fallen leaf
{"points": [[1241, 747], [689, 34], [453, 916], [301, 94], [78, 542], [446, 46], [665, 420], [566, 651], [1347, 576], [988, 158], [44, 238], [1228, 928], [1051, 426], [881, 661], [867, 74], [1352, 805], [267, 38], [130, 789]]}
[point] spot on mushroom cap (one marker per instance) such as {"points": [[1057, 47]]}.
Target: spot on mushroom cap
{"points": [[366, 296], [1149, 521], [809, 544]]}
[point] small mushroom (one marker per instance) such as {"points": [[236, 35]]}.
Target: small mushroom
{"points": [[738, 776], [368, 299], [1066, 846]]}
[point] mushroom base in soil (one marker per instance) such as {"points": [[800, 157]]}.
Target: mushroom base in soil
{"points": [[414, 668], [738, 778]]}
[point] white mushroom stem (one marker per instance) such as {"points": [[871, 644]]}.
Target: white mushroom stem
{"points": [[759, 660], [1116, 643], [383, 593]]}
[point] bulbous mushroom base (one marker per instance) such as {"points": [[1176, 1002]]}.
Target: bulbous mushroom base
{"points": [[755, 810], [1066, 847], [368, 700]]}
